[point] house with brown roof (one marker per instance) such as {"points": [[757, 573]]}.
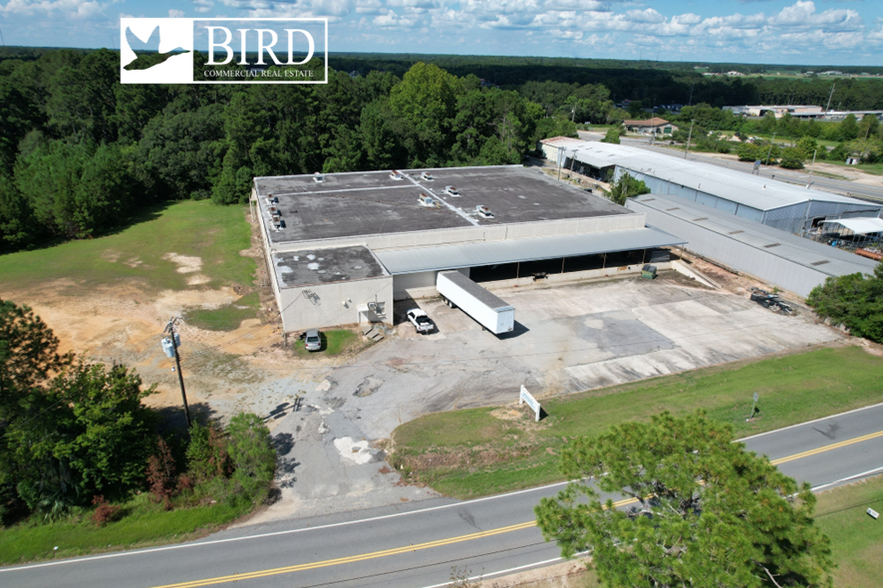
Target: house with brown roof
{"points": [[651, 126]]}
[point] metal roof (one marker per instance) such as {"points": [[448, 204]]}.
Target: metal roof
{"points": [[823, 258], [860, 226], [444, 257], [730, 184]]}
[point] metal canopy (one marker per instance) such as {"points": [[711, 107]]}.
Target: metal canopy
{"points": [[859, 226], [444, 257]]}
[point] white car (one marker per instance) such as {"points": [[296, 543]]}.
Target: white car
{"points": [[421, 321]]}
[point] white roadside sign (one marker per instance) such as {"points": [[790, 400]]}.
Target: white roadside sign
{"points": [[530, 400]]}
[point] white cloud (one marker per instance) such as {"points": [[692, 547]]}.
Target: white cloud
{"points": [[176, 13], [64, 8], [393, 20], [803, 15]]}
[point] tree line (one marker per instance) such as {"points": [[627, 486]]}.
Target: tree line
{"points": [[79, 152]]}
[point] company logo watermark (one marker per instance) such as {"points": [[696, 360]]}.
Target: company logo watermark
{"points": [[223, 50]]}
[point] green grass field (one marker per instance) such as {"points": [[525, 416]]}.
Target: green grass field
{"points": [[856, 538], [334, 342], [482, 451], [871, 168], [201, 229], [144, 524], [227, 317]]}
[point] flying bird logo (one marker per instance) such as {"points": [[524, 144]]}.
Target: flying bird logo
{"points": [[148, 53]]}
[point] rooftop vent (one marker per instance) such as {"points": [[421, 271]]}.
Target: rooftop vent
{"points": [[696, 220], [648, 199], [823, 262], [452, 191], [483, 211], [735, 232], [771, 245], [426, 176], [396, 175], [670, 209], [426, 201], [318, 178]]}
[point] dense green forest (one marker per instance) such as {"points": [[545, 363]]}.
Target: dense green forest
{"points": [[79, 152]]}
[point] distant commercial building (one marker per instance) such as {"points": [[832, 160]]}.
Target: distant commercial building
{"points": [[776, 204], [651, 126], [802, 112], [341, 248]]}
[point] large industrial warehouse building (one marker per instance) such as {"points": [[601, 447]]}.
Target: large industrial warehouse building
{"points": [[342, 247], [790, 262], [775, 204]]}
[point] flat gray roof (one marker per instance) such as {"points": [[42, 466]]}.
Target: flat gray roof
{"points": [[823, 258], [730, 184], [322, 266], [372, 203], [422, 259]]}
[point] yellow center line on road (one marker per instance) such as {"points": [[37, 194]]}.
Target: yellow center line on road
{"points": [[451, 540], [827, 448]]}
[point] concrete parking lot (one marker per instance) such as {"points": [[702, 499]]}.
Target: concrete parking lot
{"points": [[567, 339]]}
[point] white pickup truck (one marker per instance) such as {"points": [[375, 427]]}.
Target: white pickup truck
{"points": [[421, 321]]}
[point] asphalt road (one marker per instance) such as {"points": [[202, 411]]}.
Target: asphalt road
{"points": [[800, 178], [419, 545]]}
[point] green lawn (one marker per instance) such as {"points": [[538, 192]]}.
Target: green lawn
{"points": [[227, 317], [333, 343], [214, 234], [856, 538], [483, 451], [144, 524], [871, 168]]}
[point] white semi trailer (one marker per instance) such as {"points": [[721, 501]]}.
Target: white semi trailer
{"points": [[487, 309]]}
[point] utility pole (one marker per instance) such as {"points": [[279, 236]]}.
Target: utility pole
{"points": [[689, 136], [770, 149], [170, 329], [813, 164], [560, 154], [829, 97]]}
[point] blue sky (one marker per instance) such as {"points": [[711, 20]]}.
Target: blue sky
{"points": [[837, 32]]}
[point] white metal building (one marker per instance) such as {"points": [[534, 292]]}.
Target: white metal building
{"points": [[782, 259], [343, 247], [776, 204]]}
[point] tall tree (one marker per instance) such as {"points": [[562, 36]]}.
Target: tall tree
{"points": [[704, 512]]}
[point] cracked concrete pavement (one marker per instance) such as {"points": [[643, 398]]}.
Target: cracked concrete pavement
{"points": [[567, 339]]}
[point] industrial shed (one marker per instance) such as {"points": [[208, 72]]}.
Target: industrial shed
{"points": [[342, 247], [776, 204], [782, 259]]}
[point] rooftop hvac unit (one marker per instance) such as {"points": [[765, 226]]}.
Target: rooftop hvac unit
{"points": [[318, 178], [396, 175], [483, 211]]}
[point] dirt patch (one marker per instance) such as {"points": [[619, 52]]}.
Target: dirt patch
{"points": [[186, 264], [224, 371], [567, 574]]}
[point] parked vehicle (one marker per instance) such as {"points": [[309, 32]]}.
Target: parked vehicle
{"points": [[421, 321], [771, 301], [486, 308], [313, 340]]}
